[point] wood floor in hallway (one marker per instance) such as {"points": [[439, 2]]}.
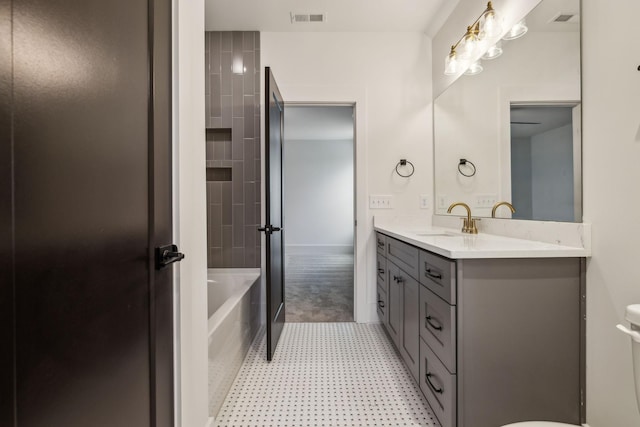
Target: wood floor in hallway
{"points": [[319, 287]]}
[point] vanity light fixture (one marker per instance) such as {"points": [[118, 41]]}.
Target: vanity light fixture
{"points": [[487, 26], [475, 41]]}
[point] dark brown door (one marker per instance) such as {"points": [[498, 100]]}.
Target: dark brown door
{"points": [[85, 197], [274, 121]]}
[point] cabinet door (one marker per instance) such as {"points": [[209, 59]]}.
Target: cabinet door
{"points": [[395, 303], [382, 302], [410, 340]]}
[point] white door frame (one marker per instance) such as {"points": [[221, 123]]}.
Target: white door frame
{"points": [[355, 175], [340, 95]]}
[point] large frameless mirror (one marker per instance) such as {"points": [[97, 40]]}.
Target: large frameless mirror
{"points": [[512, 133]]}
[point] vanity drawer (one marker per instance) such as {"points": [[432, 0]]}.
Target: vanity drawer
{"points": [[382, 303], [381, 244], [438, 327], [438, 386], [439, 275], [405, 256], [381, 271]]}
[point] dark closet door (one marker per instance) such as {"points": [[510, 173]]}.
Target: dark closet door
{"points": [[274, 121], [6, 230], [90, 197]]}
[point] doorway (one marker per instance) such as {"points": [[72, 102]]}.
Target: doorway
{"points": [[319, 194]]}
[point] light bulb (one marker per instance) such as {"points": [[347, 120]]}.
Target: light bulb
{"points": [[518, 30], [493, 52]]}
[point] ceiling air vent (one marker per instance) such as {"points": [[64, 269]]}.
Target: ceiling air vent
{"points": [[564, 17], [308, 17]]}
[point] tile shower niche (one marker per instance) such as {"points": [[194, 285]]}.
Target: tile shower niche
{"points": [[232, 61]]}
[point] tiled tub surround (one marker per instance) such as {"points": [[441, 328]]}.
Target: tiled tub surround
{"points": [[232, 62], [492, 328], [233, 298]]}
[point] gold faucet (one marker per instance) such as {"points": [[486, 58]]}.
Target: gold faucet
{"points": [[497, 205], [468, 224]]}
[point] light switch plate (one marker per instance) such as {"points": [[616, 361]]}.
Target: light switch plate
{"points": [[380, 202], [424, 201], [486, 200]]}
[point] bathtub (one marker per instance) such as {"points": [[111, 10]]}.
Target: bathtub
{"points": [[233, 299]]}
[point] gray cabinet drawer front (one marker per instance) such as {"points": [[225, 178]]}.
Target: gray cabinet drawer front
{"points": [[381, 270], [439, 275], [438, 327], [405, 256], [438, 386], [382, 303], [381, 244]]}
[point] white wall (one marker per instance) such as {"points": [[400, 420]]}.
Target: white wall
{"points": [[318, 195], [190, 212], [388, 76], [611, 149]]}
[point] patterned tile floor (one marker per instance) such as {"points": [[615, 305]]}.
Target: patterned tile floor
{"points": [[325, 374]]}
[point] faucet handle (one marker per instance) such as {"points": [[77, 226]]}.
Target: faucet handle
{"points": [[473, 227]]}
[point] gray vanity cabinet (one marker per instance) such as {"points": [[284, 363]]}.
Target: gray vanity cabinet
{"points": [[490, 341]]}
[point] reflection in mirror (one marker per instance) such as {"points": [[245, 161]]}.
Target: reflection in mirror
{"points": [[537, 74], [542, 162]]}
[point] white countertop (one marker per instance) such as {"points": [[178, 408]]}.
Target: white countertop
{"points": [[456, 245]]}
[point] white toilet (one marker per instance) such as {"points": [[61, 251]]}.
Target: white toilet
{"points": [[633, 317]]}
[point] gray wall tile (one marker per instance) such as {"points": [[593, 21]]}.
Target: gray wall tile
{"points": [[227, 41], [227, 204], [238, 107], [237, 182], [215, 193], [237, 258], [215, 226], [238, 226], [227, 73], [249, 75], [227, 111], [216, 101], [248, 42], [215, 52]]}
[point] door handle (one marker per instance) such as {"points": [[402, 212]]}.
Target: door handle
{"points": [[166, 255], [269, 229]]}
